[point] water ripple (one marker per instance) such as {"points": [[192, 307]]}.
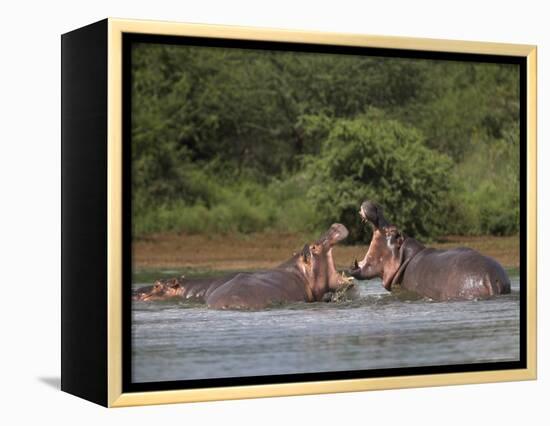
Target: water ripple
{"points": [[178, 341]]}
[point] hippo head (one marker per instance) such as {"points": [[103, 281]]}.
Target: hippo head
{"points": [[385, 256], [160, 290], [317, 263]]}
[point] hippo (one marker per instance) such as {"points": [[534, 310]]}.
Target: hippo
{"points": [[160, 290], [308, 276], [194, 290], [403, 262]]}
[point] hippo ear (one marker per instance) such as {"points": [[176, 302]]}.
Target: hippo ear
{"points": [[400, 238], [396, 239]]}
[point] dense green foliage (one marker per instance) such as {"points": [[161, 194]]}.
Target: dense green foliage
{"points": [[230, 140], [380, 160]]}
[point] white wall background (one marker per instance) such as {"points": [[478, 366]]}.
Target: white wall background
{"points": [[30, 210]]}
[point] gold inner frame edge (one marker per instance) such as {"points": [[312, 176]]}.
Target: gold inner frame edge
{"points": [[116, 27]]}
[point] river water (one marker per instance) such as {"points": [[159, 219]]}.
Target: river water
{"points": [[178, 341]]}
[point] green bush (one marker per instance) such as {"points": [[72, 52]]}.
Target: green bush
{"points": [[486, 192], [380, 160], [242, 206]]}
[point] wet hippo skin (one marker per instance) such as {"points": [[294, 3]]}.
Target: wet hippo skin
{"points": [[455, 274], [306, 277]]}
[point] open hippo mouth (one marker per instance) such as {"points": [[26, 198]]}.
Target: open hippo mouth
{"points": [[162, 289], [373, 213], [336, 233], [318, 263], [370, 213], [143, 293], [151, 292]]}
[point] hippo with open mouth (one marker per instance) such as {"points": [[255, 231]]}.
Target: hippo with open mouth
{"points": [[308, 276], [160, 290], [192, 290], [401, 261]]}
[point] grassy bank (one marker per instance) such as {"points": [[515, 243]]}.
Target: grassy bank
{"points": [[268, 249]]}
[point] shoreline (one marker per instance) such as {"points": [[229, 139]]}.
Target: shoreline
{"points": [[269, 249]]}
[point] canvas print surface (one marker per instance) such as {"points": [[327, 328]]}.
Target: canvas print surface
{"points": [[300, 212]]}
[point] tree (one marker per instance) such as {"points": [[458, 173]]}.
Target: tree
{"points": [[384, 161]]}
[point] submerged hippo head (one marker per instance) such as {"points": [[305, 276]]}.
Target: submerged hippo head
{"points": [[317, 264], [384, 257], [160, 290]]}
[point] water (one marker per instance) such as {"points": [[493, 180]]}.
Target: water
{"points": [[178, 341]]}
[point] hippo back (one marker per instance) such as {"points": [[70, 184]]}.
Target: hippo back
{"points": [[258, 290], [460, 273]]}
